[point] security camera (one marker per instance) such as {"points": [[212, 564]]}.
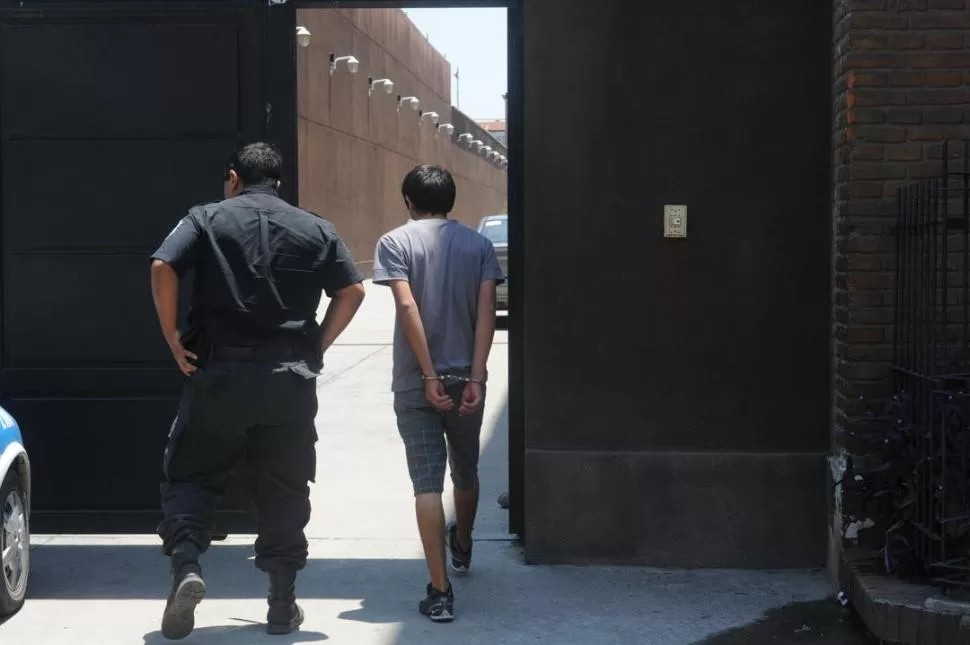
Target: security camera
{"points": [[486, 150], [465, 139], [386, 83], [352, 63], [303, 37], [430, 116], [411, 101], [477, 145], [447, 128]]}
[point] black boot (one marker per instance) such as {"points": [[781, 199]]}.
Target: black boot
{"points": [[284, 615], [188, 590]]}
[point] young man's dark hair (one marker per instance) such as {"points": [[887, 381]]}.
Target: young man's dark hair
{"points": [[429, 189], [257, 164]]}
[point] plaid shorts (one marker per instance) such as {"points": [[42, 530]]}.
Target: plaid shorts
{"points": [[433, 439]]}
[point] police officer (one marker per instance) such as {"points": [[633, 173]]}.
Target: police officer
{"points": [[252, 351]]}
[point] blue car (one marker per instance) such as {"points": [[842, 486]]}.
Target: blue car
{"points": [[14, 516]]}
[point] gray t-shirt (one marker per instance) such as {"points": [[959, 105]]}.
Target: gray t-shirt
{"points": [[445, 263]]}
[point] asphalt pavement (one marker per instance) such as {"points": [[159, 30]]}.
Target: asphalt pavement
{"points": [[367, 574]]}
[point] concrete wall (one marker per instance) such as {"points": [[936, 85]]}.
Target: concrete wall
{"points": [[355, 149]]}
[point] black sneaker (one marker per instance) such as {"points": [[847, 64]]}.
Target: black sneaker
{"points": [[439, 606], [461, 561], [188, 590]]}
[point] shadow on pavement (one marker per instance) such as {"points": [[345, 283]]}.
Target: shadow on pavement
{"points": [[130, 572], [239, 636], [822, 622]]}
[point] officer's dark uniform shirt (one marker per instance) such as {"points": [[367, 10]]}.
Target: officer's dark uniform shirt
{"points": [[260, 266]]}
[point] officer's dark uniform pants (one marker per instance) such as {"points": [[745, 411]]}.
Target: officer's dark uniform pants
{"points": [[261, 414]]}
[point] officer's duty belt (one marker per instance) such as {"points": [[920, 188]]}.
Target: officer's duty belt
{"points": [[272, 352]]}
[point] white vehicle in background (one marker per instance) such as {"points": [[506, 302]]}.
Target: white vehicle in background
{"points": [[14, 516], [496, 228]]}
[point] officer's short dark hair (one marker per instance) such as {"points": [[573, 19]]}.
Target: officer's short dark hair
{"points": [[431, 189], [257, 164]]}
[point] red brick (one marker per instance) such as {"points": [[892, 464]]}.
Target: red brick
{"points": [[878, 134], [867, 245], [873, 316], [905, 40], [907, 79], [944, 41], [865, 189], [926, 134], [874, 20], [951, 60], [881, 208], [910, 5], [944, 79], [870, 40], [940, 20], [909, 116], [908, 152], [924, 170], [869, 353], [868, 79], [867, 97], [865, 335], [865, 5], [873, 60], [959, 96], [944, 115], [948, 4], [867, 115], [864, 371], [862, 299], [863, 263], [868, 153], [875, 170], [937, 133]]}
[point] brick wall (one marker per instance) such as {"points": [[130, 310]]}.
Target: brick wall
{"points": [[902, 86]]}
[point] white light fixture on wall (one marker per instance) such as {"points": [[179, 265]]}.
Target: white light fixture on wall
{"points": [[465, 139], [412, 102], [476, 145], [430, 116], [386, 83], [303, 37], [352, 63], [446, 128], [486, 150]]}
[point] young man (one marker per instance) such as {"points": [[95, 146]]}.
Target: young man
{"points": [[443, 276]]}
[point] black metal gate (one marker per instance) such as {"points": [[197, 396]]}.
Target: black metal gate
{"points": [[932, 364], [114, 119]]}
